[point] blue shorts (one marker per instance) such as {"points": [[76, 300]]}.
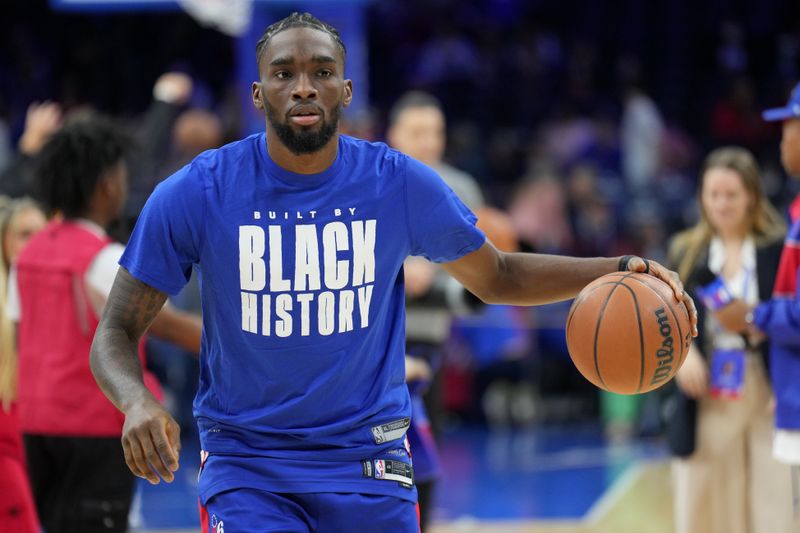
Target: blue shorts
{"points": [[257, 511]]}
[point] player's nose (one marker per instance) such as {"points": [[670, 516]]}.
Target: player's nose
{"points": [[303, 88]]}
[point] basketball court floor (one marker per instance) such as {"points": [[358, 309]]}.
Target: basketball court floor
{"points": [[539, 480]]}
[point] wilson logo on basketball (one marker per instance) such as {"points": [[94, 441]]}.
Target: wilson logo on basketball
{"points": [[628, 333], [665, 352]]}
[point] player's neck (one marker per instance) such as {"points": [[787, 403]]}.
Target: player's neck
{"points": [[313, 163]]}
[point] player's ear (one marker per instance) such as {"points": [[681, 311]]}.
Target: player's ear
{"points": [[348, 93], [257, 101]]}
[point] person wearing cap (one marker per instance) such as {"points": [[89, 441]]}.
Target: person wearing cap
{"points": [[779, 318]]}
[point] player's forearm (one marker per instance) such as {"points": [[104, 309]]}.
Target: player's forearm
{"points": [[131, 307], [115, 363], [526, 279], [535, 279]]}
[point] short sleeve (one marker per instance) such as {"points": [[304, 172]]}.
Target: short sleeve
{"points": [[103, 269], [167, 239], [441, 227]]}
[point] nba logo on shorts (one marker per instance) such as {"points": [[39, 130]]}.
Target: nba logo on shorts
{"points": [[380, 469], [216, 525]]}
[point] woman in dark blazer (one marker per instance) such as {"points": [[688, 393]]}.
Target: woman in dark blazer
{"points": [[720, 424]]}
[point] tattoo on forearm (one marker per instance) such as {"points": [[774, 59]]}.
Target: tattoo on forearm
{"points": [[131, 307], [132, 304]]}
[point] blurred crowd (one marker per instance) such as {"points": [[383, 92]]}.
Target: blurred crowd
{"points": [[585, 132]]}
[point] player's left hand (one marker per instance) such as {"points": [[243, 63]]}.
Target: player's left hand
{"points": [[637, 264]]}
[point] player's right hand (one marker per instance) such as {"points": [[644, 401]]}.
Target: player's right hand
{"points": [[151, 441], [639, 264]]}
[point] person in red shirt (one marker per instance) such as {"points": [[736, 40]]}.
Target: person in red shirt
{"points": [[57, 292]]}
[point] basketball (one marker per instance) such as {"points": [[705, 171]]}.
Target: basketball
{"points": [[627, 333]]}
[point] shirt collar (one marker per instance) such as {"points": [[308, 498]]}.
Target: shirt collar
{"points": [[716, 254], [91, 226]]}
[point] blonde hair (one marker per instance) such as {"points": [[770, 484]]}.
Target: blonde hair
{"points": [[765, 223], [9, 209]]}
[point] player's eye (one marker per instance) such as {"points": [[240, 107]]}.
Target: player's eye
{"points": [[325, 73], [283, 75]]}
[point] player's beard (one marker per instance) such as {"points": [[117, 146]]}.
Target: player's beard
{"points": [[304, 141]]}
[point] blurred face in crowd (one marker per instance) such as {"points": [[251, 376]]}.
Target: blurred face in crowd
{"points": [[726, 201], [195, 131], [302, 88], [790, 147], [21, 227], [420, 133]]}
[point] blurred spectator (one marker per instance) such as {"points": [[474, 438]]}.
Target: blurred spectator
{"points": [[731, 53], [42, 120], [195, 131], [566, 139], [538, 212], [171, 92], [720, 425], [5, 142], [498, 340], [736, 119], [361, 124], [642, 132], [19, 221], [648, 233], [417, 128], [604, 152], [594, 218], [63, 276]]}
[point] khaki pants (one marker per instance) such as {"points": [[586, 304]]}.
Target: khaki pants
{"points": [[731, 484]]}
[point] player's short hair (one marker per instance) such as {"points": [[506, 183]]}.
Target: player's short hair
{"points": [[297, 20], [412, 100], [74, 160]]}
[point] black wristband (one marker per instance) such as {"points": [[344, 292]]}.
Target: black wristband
{"points": [[623, 262], [625, 259]]}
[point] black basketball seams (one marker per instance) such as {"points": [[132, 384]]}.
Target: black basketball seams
{"points": [[684, 351], [600, 321], [582, 296], [641, 335]]}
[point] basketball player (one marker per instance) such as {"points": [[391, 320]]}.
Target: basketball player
{"points": [[778, 318], [299, 235]]}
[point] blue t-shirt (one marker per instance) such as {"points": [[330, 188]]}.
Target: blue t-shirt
{"points": [[303, 299]]}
